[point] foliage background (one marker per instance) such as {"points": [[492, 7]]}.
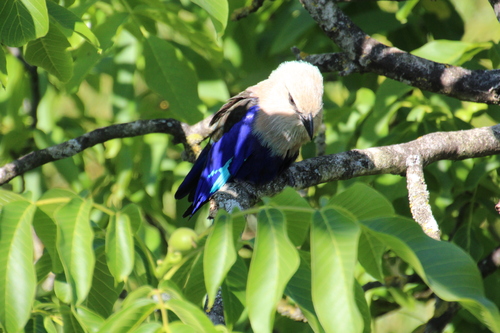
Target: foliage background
{"points": [[107, 62]]}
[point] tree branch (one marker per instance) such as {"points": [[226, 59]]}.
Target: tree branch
{"points": [[490, 264], [355, 163], [190, 136], [365, 54], [496, 7], [30, 105], [392, 159], [328, 62], [243, 12]]}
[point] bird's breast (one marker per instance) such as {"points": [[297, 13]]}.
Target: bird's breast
{"points": [[283, 139]]}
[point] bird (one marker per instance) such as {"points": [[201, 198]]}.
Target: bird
{"points": [[258, 133]]}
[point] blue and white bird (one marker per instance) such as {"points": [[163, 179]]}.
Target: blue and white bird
{"points": [[258, 133]]}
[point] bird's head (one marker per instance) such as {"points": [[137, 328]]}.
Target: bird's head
{"points": [[291, 101]]}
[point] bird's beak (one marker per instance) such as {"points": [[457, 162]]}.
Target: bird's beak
{"points": [[308, 122]]}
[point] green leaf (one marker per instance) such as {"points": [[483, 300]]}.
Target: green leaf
{"points": [[22, 21], [376, 123], [191, 315], [198, 36], [290, 24], [3, 68], [274, 261], [363, 202], [49, 325], [298, 214], [450, 51], [9, 196], [88, 318], [494, 55], [17, 272], [62, 289], [129, 317], [153, 327], [70, 323], [104, 290], [144, 291], [334, 244], [180, 327], [299, 289], [46, 230], [219, 256], [154, 152], [50, 53], [74, 243], [405, 10], [370, 252], [67, 20], [233, 292], [54, 199], [359, 295], [87, 56], [167, 73], [218, 10], [35, 325], [190, 278], [43, 267], [134, 213], [444, 267], [169, 289], [120, 247]]}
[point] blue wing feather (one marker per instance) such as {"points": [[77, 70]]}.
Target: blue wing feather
{"points": [[190, 182], [238, 154]]}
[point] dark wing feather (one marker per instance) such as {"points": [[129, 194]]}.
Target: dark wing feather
{"points": [[189, 184], [232, 112]]}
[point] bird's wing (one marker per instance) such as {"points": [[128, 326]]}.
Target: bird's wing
{"points": [[232, 112], [228, 115], [189, 184]]}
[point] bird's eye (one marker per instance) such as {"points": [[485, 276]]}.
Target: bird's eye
{"points": [[292, 102]]}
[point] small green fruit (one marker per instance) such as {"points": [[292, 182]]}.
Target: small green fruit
{"points": [[183, 239]]}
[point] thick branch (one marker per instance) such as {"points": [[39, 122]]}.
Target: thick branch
{"points": [[366, 54], [372, 161], [392, 159], [328, 62], [190, 136]]}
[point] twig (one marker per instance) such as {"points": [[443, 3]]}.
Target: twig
{"points": [[30, 106], [490, 264], [372, 285], [443, 314], [419, 197], [240, 13], [368, 0]]}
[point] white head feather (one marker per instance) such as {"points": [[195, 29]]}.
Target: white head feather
{"points": [[292, 92]]}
